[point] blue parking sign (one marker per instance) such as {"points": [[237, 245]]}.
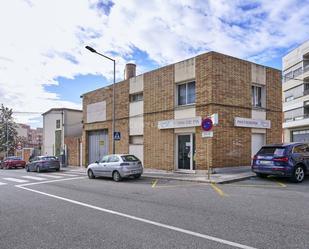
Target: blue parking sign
{"points": [[117, 135]]}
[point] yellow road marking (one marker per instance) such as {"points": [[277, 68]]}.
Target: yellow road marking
{"points": [[182, 185], [280, 184], [154, 183], [251, 185], [217, 189]]}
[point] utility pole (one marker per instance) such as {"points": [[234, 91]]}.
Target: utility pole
{"points": [[7, 138]]}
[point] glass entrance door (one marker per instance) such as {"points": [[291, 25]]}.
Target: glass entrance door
{"points": [[185, 151]]}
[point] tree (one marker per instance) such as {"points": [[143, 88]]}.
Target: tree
{"points": [[8, 133]]}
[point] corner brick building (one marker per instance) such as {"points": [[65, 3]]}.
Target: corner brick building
{"points": [[159, 114]]}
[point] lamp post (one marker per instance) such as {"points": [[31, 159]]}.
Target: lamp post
{"points": [[113, 103]]}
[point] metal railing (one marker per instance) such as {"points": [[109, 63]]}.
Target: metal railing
{"points": [[296, 118]]}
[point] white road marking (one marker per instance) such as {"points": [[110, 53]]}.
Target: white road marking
{"points": [[15, 180], [2, 183], [63, 174], [50, 175], [51, 181], [173, 228], [34, 178]]}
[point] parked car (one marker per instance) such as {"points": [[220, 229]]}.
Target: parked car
{"points": [[286, 160], [43, 163], [12, 162], [116, 166]]}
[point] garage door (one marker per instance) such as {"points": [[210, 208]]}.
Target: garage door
{"points": [[97, 145], [257, 141]]}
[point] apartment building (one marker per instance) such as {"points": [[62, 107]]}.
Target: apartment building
{"points": [[29, 138], [295, 95], [62, 131], [159, 114]]}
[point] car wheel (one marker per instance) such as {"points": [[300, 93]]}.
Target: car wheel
{"points": [[90, 174], [261, 175], [298, 175], [38, 169], [116, 176], [137, 176]]}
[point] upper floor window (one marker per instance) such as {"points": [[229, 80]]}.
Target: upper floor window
{"points": [[186, 93], [57, 123], [136, 97], [256, 97]]}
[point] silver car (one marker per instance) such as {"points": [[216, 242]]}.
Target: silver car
{"points": [[116, 166]]}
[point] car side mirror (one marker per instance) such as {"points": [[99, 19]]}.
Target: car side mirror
{"points": [[96, 161]]}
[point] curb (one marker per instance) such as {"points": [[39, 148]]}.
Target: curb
{"points": [[218, 181]]}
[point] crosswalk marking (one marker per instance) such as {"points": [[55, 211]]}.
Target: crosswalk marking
{"points": [[34, 178], [15, 180], [2, 183], [51, 176], [63, 174]]}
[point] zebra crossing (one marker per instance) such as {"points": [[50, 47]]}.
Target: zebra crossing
{"points": [[34, 178]]}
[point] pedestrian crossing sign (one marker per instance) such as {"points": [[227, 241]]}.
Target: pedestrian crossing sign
{"points": [[117, 135]]}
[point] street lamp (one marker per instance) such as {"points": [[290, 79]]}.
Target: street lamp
{"points": [[113, 104]]}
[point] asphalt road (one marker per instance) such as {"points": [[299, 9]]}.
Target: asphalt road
{"points": [[68, 210]]}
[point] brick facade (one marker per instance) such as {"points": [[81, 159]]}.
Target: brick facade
{"points": [[73, 150], [121, 116], [222, 85], [158, 105]]}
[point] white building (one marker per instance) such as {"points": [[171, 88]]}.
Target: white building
{"points": [[296, 94], [59, 123]]}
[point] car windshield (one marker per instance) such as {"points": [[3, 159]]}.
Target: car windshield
{"points": [[129, 158], [13, 158], [276, 151], [48, 158]]}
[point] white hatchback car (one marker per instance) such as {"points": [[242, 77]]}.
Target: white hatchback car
{"points": [[116, 166]]}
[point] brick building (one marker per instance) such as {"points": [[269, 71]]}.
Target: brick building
{"points": [[159, 114]]}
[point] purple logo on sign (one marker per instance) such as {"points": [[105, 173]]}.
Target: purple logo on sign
{"points": [[207, 124]]}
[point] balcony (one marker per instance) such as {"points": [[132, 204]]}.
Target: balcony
{"points": [[297, 121]]}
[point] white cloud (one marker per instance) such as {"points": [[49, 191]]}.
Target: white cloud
{"points": [[42, 40]]}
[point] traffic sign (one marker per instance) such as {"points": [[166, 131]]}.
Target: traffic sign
{"points": [[117, 135], [19, 147], [207, 124]]}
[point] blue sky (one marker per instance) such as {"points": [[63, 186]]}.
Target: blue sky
{"points": [[43, 62]]}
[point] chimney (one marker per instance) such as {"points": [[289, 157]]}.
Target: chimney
{"points": [[129, 71]]}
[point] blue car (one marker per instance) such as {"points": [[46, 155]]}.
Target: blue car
{"points": [[286, 160]]}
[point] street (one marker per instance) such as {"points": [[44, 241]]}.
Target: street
{"points": [[67, 210]]}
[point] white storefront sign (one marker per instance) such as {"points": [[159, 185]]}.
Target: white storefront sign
{"points": [[180, 123], [252, 123], [207, 134]]}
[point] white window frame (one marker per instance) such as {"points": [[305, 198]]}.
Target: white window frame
{"points": [[177, 91], [140, 97], [254, 97]]}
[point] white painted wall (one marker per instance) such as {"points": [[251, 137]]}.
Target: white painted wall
{"points": [[295, 56], [184, 113], [137, 150], [258, 74], [258, 114], [96, 112], [257, 141], [185, 70], [136, 84], [136, 108], [136, 126], [49, 128], [73, 123]]}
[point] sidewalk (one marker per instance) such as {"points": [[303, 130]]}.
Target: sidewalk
{"points": [[220, 175]]}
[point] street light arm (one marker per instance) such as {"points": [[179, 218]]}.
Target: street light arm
{"points": [[94, 51], [113, 103]]}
